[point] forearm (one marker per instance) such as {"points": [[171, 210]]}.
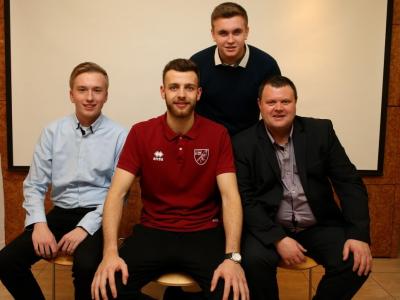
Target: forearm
{"points": [[231, 211], [35, 187], [112, 212], [111, 220], [232, 216]]}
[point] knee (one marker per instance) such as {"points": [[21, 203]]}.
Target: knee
{"points": [[88, 256], [261, 270], [256, 263], [344, 269], [3, 264], [336, 264], [84, 267], [6, 263]]}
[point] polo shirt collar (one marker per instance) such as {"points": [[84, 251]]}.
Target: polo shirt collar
{"points": [[171, 135], [242, 63]]}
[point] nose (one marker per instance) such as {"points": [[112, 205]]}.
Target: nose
{"points": [[90, 96], [230, 38], [278, 106], [181, 93]]}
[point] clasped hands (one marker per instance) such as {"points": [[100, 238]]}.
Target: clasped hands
{"points": [[46, 246]]}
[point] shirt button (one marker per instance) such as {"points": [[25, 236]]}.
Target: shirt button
{"points": [[180, 148]]}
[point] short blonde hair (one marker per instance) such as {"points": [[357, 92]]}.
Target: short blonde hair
{"points": [[87, 67]]}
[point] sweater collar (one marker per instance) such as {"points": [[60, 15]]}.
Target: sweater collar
{"points": [[242, 63]]}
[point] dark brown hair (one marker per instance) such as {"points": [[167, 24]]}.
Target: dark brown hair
{"points": [[228, 10], [181, 65], [277, 81]]}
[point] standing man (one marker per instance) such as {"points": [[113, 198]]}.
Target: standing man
{"points": [[231, 71], [287, 168], [76, 155], [184, 225]]}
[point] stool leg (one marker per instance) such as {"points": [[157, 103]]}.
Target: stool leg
{"points": [[54, 282], [309, 284]]}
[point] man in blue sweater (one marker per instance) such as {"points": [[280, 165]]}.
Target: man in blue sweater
{"points": [[231, 71]]}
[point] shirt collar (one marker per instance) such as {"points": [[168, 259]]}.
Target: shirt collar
{"points": [[93, 127], [272, 138], [242, 63], [171, 135]]}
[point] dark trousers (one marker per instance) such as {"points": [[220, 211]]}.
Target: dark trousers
{"points": [[323, 244], [17, 257], [150, 252]]}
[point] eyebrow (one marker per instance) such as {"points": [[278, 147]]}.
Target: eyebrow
{"points": [[92, 87]]}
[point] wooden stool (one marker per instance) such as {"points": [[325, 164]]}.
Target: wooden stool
{"points": [[62, 260], [309, 264], [183, 280]]}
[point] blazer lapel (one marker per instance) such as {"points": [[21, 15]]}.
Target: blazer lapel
{"points": [[300, 151], [268, 149]]}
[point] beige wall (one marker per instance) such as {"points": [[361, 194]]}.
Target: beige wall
{"points": [[123, 36], [384, 191]]}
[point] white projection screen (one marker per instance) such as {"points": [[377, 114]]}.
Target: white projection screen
{"points": [[335, 51]]}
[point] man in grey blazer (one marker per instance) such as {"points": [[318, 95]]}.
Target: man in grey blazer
{"points": [[287, 168]]}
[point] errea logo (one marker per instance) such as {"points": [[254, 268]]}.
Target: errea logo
{"points": [[158, 156]]}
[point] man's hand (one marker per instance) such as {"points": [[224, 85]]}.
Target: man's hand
{"points": [[71, 240], [290, 251], [44, 241], [106, 273], [234, 277], [362, 256]]}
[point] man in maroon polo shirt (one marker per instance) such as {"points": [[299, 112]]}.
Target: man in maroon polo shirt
{"points": [[192, 216]]}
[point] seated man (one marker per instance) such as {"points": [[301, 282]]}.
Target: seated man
{"points": [[76, 155], [182, 160], [287, 166]]}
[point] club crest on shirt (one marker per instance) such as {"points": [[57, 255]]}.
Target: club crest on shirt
{"points": [[158, 156], [201, 156]]}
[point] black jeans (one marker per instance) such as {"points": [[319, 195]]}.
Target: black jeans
{"points": [[17, 257], [150, 252], [323, 244]]}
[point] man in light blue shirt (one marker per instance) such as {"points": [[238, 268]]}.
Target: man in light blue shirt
{"points": [[76, 156]]}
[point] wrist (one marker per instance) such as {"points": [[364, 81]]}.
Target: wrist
{"points": [[82, 228], [39, 225], [234, 256], [110, 249]]}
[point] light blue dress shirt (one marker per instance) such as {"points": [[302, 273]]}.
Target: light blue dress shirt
{"points": [[78, 167]]}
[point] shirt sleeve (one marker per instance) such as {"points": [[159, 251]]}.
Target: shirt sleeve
{"points": [[120, 144], [91, 222], [349, 188], [36, 183], [130, 156]]}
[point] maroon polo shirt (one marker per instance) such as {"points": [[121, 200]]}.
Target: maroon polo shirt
{"points": [[178, 172]]}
